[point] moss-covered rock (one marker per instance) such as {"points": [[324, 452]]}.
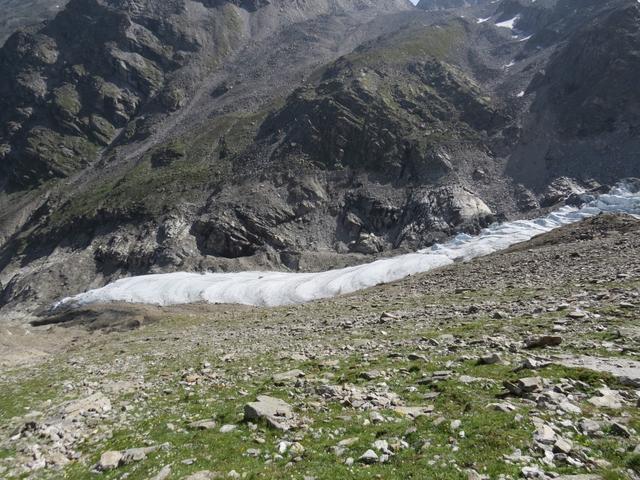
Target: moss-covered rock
{"points": [[102, 131], [51, 154], [168, 154], [66, 102]]}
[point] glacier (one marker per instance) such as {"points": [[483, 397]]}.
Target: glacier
{"points": [[285, 288]]}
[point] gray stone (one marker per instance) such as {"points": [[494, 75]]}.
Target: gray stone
{"points": [[227, 428], [525, 385], [277, 413], [287, 377], [491, 359], [413, 412], [163, 474], [371, 375], [543, 341], [532, 472], [544, 434], [347, 442], [204, 475], [203, 425], [620, 430], [607, 399], [473, 475], [369, 457], [109, 460], [589, 427], [562, 446]]}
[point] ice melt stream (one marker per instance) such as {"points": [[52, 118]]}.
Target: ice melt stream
{"points": [[280, 288]]}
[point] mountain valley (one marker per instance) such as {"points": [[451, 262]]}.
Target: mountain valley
{"points": [[493, 143]]}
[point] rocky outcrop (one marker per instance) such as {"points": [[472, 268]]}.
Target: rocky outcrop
{"points": [[375, 112], [68, 90]]}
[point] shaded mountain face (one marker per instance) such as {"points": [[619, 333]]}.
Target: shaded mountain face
{"points": [[143, 136], [590, 84], [17, 14], [583, 120]]}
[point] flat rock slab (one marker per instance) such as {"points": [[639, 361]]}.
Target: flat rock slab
{"points": [[414, 412], [287, 377], [97, 403], [543, 341], [277, 413], [113, 459], [627, 371]]}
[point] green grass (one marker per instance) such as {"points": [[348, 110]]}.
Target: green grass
{"points": [[17, 398], [6, 453], [436, 41], [634, 462], [480, 449], [223, 452], [61, 153], [161, 352]]}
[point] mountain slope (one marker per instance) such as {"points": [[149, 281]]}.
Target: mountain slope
{"points": [[296, 135], [18, 14], [584, 121]]}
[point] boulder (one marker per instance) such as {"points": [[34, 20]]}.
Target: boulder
{"points": [[287, 377], [277, 413], [109, 460], [543, 341]]}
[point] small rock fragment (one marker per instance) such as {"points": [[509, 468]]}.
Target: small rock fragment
{"points": [[369, 457]]}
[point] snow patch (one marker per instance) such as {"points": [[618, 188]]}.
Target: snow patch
{"points": [[283, 288], [509, 23]]}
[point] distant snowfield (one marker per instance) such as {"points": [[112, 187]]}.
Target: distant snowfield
{"points": [[282, 288]]}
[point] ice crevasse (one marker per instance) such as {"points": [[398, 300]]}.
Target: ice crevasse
{"points": [[284, 288]]}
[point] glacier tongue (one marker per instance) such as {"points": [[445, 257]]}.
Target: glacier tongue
{"points": [[281, 288]]}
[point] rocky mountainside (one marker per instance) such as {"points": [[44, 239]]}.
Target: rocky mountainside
{"points": [[17, 14], [141, 136]]}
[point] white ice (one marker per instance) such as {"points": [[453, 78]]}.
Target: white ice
{"points": [[280, 288], [508, 23]]}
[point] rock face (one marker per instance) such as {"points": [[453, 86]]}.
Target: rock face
{"points": [[145, 136]]}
